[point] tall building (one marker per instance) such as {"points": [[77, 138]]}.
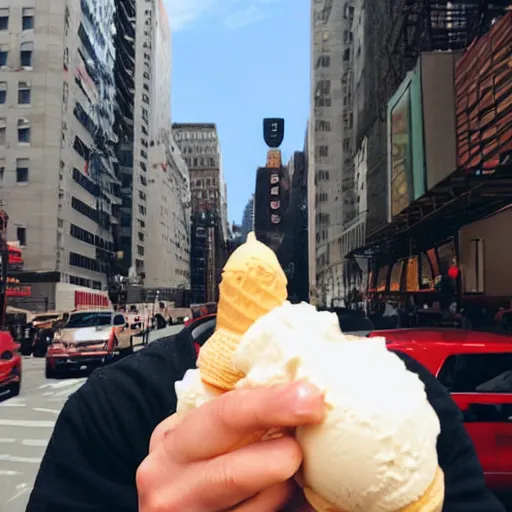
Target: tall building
{"points": [[248, 218], [144, 82], [168, 253], [199, 145], [330, 134], [57, 110]]}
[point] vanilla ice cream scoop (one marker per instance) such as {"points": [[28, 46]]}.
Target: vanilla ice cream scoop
{"points": [[376, 449]]}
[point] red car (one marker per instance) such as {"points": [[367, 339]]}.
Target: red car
{"points": [[10, 365], [476, 367]]}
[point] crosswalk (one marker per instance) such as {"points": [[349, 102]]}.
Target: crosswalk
{"points": [[26, 424]]}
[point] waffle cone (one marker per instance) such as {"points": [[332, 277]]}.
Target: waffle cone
{"points": [[253, 283], [431, 501], [215, 358]]}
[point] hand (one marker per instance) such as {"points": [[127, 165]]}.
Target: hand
{"points": [[194, 464]]}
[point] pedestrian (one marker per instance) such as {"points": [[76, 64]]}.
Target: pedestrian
{"points": [[117, 447]]}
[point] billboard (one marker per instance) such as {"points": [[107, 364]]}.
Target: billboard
{"points": [[401, 168], [483, 89], [273, 131], [271, 201]]}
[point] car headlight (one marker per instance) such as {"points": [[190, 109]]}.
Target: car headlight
{"points": [[7, 355], [56, 336]]}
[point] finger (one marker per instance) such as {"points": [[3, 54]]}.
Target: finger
{"points": [[231, 479], [269, 500], [163, 430], [233, 416]]}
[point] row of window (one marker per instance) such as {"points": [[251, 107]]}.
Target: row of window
{"points": [[25, 55], [88, 283], [24, 133], [189, 135], [27, 18], [24, 93], [89, 238], [78, 260]]}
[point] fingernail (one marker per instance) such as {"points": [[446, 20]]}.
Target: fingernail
{"points": [[308, 400]]}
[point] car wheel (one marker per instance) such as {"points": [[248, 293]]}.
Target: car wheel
{"points": [[49, 372], [26, 350], [15, 389], [39, 352]]}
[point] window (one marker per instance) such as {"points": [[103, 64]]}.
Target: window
{"points": [[349, 12], [2, 171], [2, 135], [477, 373], [322, 126], [3, 92], [324, 61], [21, 235], [322, 151], [348, 36], [27, 20], [23, 131], [22, 165], [24, 93], [26, 50], [4, 19], [4, 52], [474, 275], [346, 54]]}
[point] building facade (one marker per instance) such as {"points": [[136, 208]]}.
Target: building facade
{"points": [[200, 148], [144, 82], [248, 219], [56, 132], [168, 254], [331, 200]]}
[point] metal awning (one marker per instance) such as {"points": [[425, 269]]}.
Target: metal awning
{"points": [[439, 214]]}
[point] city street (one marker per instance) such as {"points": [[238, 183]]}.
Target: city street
{"points": [[26, 423]]}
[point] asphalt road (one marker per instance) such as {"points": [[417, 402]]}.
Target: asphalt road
{"points": [[26, 424]]}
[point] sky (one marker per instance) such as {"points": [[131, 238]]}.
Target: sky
{"points": [[234, 63]]}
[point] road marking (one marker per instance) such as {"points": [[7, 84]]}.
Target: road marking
{"points": [[7, 440], [61, 384], [22, 489], [8, 472], [42, 409], [34, 442], [13, 458], [27, 423], [11, 403]]}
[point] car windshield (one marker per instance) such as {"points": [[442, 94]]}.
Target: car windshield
{"points": [[89, 319], [44, 318]]}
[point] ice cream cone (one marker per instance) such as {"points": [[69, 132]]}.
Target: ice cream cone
{"points": [[431, 501], [253, 283]]}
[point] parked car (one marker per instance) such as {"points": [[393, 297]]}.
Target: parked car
{"points": [[476, 367], [10, 365], [89, 339]]}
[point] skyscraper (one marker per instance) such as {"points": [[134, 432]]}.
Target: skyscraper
{"points": [[330, 144], [199, 144]]}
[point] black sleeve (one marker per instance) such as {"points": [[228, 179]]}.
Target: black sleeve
{"points": [[103, 431], [465, 488]]}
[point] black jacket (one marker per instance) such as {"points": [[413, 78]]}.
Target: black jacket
{"points": [[103, 433]]}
